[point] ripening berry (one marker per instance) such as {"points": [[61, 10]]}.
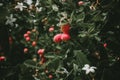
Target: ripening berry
{"points": [[43, 59], [65, 37], [65, 28], [26, 35], [2, 58], [27, 38], [57, 38], [25, 50], [105, 45], [51, 29], [28, 32], [80, 3], [50, 76], [40, 51], [34, 43]]}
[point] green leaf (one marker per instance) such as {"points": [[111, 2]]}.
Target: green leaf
{"points": [[50, 56], [54, 63], [3, 14], [77, 78], [87, 25], [81, 9], [81, 57], [75, 67], [82, 34], [30, 63], [58, 47], [80, 17]]}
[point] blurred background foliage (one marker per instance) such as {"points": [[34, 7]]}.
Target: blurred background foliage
{"points": [[94, 31]]}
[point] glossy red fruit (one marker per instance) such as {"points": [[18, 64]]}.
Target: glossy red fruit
{"points": [[27, 38], [51, 29], [26, 35], [80, 3], [34, 43], [65, 28], [50, 76], [2, 58], [25, 50], [65, 37], [57, 38], [41, 51], [28, 32], [105, 45]]}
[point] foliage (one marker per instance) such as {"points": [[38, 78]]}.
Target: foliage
{"points": [[91, 38]]}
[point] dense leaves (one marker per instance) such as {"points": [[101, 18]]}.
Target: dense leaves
{"points": [[55, 39]]}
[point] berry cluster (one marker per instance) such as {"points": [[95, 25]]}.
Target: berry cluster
{"points": [[64, 36]]}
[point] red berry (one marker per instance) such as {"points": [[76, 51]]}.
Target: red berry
{"points": [[105, 45], [2, 58], [65, 28], [57, 38], [28, 32], [25, 50], [34, 43], [27, 38], [51, 29], [50, 76], [41, 51], [26, 35], [80, 3], [65, 37]]}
